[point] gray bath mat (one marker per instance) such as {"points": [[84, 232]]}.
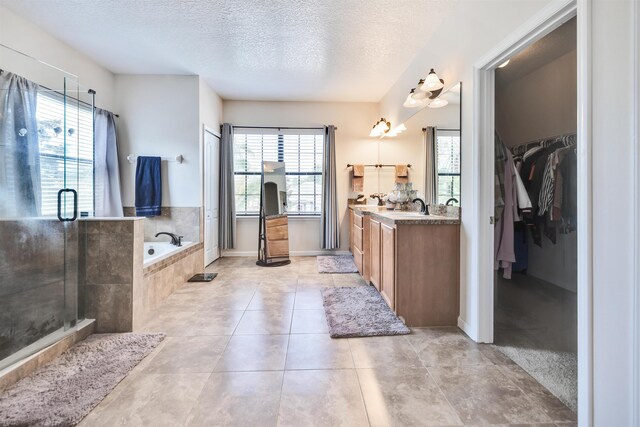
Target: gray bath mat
{"points": [[359, 312], [63, 392], [336, 264]]}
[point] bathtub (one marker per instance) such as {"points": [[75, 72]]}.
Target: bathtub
{"points": [[157, 251]]}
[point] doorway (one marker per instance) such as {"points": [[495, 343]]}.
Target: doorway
{"points": [[535, 243], [211, 195]]}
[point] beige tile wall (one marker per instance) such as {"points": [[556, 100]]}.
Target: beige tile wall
{"points": [[181, 221]]}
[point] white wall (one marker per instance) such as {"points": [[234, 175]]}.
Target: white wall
{"points": [[210, 108], [613, 173], [353, 145], [159, 116], [26, 37]]}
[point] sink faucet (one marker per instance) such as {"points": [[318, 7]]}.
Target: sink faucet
{"points": [[451, 201], [175, 240], [377, 196], [424, 209]]}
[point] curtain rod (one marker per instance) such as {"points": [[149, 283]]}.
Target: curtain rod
{"points": [[276, 127], [90, 91]]}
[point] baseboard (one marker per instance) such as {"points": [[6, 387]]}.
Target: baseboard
{"points": [[466, 328], [292, 253]]}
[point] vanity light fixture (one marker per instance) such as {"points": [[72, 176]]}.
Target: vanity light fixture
{"points": [[411, 102], [383, 128], [432, 82]]}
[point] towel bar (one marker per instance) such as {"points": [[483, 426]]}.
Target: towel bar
{"points": [[178, 159]]}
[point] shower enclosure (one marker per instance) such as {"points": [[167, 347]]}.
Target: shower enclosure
{"points": [[41, 182]]}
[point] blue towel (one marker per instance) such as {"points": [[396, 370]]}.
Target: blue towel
{"points": [[148, 186]]}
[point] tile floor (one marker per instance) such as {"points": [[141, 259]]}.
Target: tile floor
{"points": [[252, 348]]}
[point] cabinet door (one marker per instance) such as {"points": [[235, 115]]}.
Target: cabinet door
{"points": [[388, 264], [374, 250], [351, 230]]}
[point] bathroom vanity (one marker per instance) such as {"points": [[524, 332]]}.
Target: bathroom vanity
{"points": [[413, 260]]}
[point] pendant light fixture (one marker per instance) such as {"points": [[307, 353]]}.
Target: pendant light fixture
{"points": [[438, 103], [432, 82]]}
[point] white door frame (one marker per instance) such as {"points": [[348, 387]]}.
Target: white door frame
{"points": [[636, 312], [548, 19], [205, 174]]}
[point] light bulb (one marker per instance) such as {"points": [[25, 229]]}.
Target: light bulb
{"points": [[410, 102], [432, 82], [438, 103]]}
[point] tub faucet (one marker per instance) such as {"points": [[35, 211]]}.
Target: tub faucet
{"points": [[424, 209], [175, 240]]}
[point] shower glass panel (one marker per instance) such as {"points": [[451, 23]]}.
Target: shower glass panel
{"points": [[39, 231]]}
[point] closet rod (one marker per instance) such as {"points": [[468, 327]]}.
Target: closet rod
{"points": [[276, 127], [444, 129], [90, 91], [548, 138], [377, 165]]}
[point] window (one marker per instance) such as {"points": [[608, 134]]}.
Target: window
{"points": [[448, 149], [50, 114], [300, 149]]}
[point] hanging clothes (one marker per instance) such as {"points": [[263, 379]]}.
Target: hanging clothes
{"points": [[503, 231], [500, 157]]}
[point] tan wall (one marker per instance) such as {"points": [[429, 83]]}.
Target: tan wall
{"points": [[539, 105]]}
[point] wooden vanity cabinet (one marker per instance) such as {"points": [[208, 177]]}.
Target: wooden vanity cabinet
{"points": [[414, 266]]}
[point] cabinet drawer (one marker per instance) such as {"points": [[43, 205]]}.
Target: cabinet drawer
{"points": [[277, 248], [280, 232], [275, 222], [358, 258], [357, 237], [357, 220]]}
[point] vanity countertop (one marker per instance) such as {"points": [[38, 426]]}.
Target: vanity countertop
{"points": [[380, 213]]}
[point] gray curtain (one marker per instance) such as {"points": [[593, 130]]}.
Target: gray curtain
{"points": [[330, 222], [227, 223], [107, 172], [20, 189], [431, 166]]}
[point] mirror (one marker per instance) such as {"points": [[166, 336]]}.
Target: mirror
{"points": [[274, 191], [411, 147], [273, 234]]}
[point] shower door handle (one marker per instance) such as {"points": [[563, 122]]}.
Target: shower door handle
{"points": [[75, 204]]}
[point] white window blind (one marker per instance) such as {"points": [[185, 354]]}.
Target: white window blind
{"points": [[448, 149], [300, 150], [78, 152]]}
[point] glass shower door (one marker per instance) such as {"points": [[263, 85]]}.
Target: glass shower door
{"points": [[39, 233]]}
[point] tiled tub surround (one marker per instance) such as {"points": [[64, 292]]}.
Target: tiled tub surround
{"points": [[163, 277], [181, 221], [120, 288]]}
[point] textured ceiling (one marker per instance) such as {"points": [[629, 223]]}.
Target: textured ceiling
{"points": [[325, 50], [552, 46]]}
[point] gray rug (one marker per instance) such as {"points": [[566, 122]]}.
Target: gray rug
{"points": [[336, 264], [556, 370], [64, 391], [359, 312]]}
